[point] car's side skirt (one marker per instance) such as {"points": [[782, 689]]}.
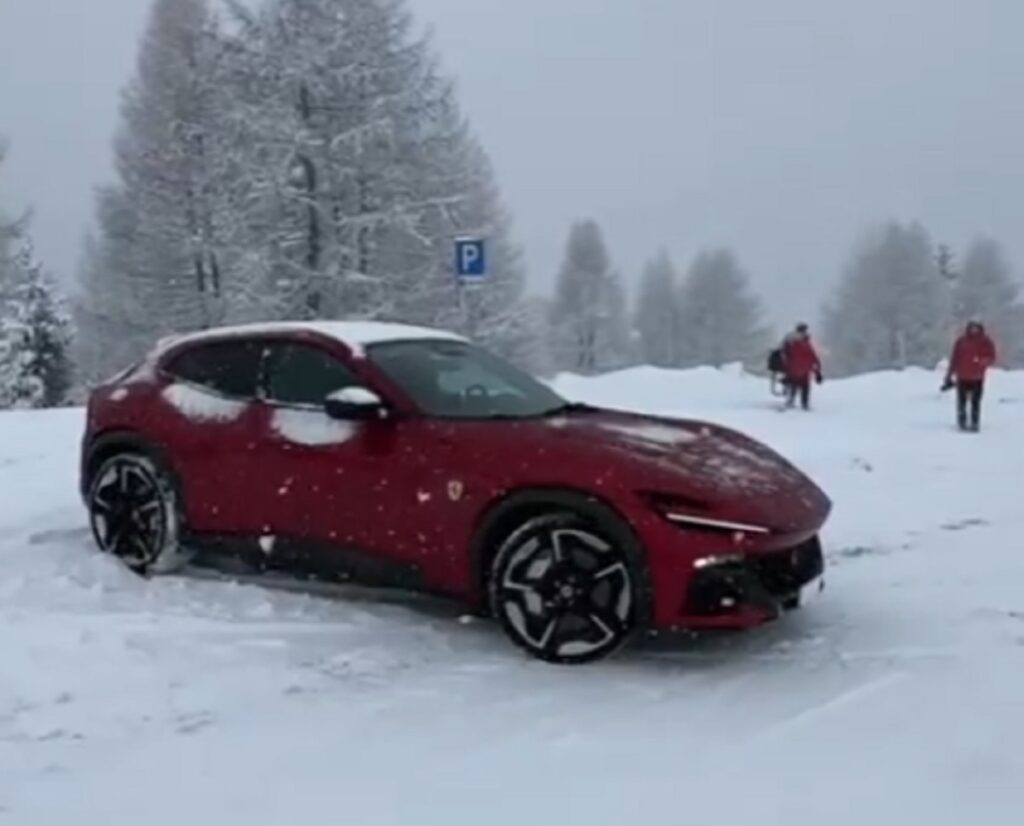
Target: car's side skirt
{"points": [[303, 559]]}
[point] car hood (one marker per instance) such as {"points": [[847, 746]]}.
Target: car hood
{"points": [[719, 470]]}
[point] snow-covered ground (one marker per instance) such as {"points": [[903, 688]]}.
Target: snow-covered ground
{"points": [[896, 699]]}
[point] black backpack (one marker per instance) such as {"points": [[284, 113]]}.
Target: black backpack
{"points": [[776, 361]]}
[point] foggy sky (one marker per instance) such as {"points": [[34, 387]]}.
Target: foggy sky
{"points": [[780, 127]]}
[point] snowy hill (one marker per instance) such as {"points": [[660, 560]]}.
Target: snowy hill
{"points": [[895, 699]]}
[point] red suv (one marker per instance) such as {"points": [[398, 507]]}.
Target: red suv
{"points": [[401, 456]]}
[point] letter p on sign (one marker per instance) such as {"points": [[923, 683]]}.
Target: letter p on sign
{"points": [[470, 259]]}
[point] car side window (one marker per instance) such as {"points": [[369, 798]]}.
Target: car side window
{"points": [[228, 368], [300, 374]]}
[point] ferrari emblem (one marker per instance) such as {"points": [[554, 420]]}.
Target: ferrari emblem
{"points": [[455, 490]]}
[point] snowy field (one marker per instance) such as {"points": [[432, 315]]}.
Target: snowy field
{"points": [[896, 699]]}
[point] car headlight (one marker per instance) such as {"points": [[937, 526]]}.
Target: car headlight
{"points": [[707, 524], [719, 561], [688, 513]]}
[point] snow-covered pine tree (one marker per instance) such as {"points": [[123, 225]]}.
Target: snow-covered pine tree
{"points": [[720, 319], [985, 289], [279, 61], [656, 318], [336, 106], [335, 172], [362, 173], [890, 309], [35, 367], [588, 316], [34, 332], [155, 268]]}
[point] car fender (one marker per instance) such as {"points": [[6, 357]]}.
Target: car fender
{"points": [[524, 503], [110, 442]]}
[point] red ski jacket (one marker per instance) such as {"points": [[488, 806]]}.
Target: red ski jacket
{"points": [[801, 359], [973, 354]]}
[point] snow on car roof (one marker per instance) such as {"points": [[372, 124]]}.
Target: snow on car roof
{"points": [[356, 335]]}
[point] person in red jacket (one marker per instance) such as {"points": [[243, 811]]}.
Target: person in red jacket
{"points": [[973, 354], [802, 363]]}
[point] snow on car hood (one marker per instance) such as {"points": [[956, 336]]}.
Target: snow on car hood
{"points": [[708, 461]]}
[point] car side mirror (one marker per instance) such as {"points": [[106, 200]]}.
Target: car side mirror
{"points": [[355, 403]]}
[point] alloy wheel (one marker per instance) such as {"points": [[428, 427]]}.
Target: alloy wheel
{"points": [[565, 594], [128, 511]]}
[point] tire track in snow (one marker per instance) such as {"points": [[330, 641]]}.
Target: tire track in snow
{"points": [[837, 702]]}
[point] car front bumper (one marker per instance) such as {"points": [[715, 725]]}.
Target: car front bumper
{"points": [[714, 579], [754, 588]]}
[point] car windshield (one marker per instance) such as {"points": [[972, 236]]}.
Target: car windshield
{"points": [[450, 379]]}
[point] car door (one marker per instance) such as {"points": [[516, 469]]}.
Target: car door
{"points": [[337, 489], [211, 430]]}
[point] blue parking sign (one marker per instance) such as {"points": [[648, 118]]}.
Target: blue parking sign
{"points": [[470, 259]]}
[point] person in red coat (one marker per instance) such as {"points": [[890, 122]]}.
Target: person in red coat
{"points": [[802, 363], [973, 354]]}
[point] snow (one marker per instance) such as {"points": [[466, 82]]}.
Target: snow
{"points": [[311, 427], [659, 434], [199, 405], [356, 335], [894, 699]]}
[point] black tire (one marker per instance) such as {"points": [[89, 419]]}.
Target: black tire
{"points": [[567, 588], [135, 514]]}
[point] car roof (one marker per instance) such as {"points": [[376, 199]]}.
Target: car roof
{"points": [[355, 335]]}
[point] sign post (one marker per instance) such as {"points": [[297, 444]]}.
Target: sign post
{"points": [[470, 269]]}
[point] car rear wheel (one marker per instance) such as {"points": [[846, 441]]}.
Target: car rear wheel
{"points": [[564, 588], [134, 511]]}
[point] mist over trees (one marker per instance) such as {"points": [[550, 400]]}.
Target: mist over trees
{"points": [[589, 324], [712, 317], [656, 317], [308, 159], [890, 308], [984, 288], [902, 300], [720, 319]]}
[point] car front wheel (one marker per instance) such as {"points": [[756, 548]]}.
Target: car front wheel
{"points": [[135, 514], [564, 589]]}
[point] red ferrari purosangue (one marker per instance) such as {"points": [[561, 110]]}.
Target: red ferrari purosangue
{"points": [[393, 455]]}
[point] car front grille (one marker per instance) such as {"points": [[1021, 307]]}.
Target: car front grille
{"points": [[768, 582], [783, 574]]}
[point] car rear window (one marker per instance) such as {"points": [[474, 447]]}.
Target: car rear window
{"points": [[228, 368]]}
